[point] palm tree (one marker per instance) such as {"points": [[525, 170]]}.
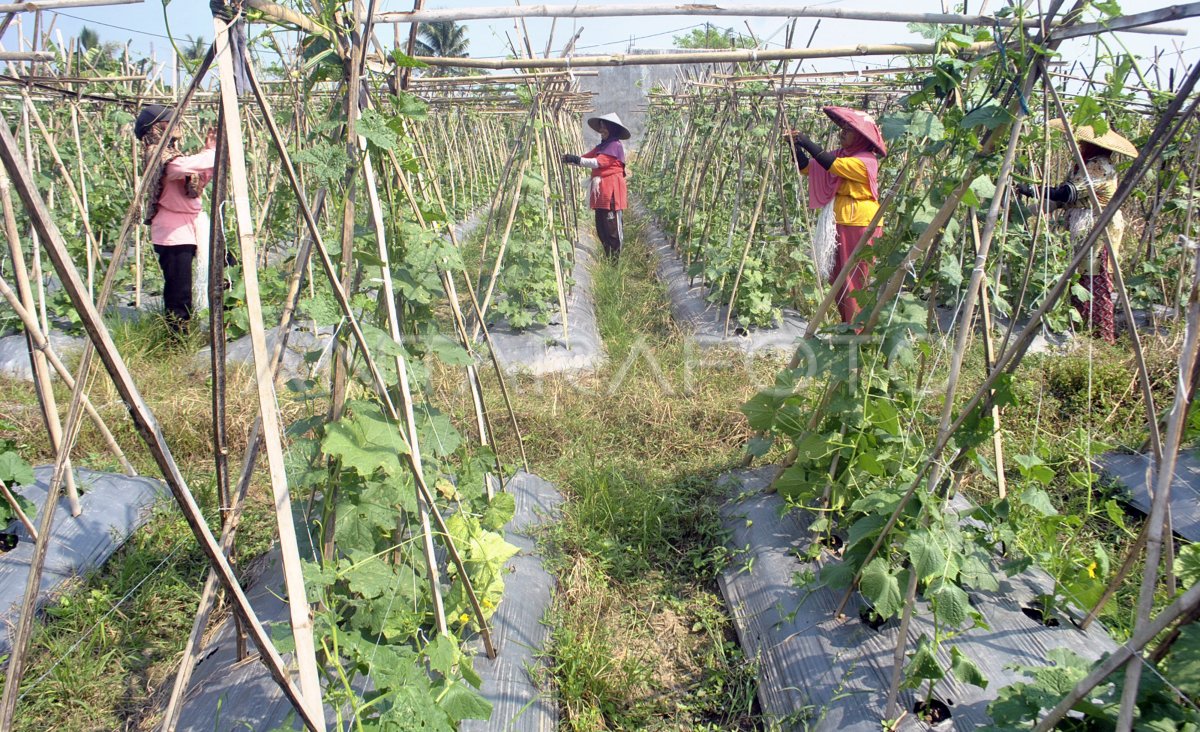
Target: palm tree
{"points": [[88, 38], [446, 39], [193, 49]]}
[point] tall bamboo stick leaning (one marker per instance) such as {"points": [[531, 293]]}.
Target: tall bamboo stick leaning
{"points": [[299, 610], [377, 380], [147, 427]]}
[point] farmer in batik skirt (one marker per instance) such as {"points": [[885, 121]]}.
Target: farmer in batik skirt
{"points": [[844, 186], [174, 211], [607, 196], [1100, 176]]}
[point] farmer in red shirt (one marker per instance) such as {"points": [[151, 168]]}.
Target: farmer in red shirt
{"points": [[608, 196]]}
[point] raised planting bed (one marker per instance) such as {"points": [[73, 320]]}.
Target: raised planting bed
{"points": [[1132, 471], [541, 350], [114, 506], [704, 320], [819, 672], [226, 694]]}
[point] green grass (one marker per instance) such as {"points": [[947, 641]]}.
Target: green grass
{"points": [[111, 642], [641, 639]]}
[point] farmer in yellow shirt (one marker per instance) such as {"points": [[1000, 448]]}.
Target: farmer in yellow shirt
{"points": [[844, 185]]}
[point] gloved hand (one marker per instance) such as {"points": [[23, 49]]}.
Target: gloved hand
{"points": [[570, 159], [221, 10], [1025, 189], [796, 137]]}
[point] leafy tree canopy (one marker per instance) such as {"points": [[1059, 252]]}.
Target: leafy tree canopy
{"points": [[713, 37]]}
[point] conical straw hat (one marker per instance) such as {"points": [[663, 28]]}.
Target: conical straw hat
{"points": [[621, 132], [861, 122], [1110, 140]]}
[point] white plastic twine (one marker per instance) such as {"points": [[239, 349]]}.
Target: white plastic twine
{"points": [[824, 241], [200, 278]]}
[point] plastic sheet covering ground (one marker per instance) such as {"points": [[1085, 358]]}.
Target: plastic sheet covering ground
{"points": [[510, 681], [226, 695], [540, 350], [1132, 472], [14, 353], [306, 352], [705, 320], [114, 506], [817, 672]]}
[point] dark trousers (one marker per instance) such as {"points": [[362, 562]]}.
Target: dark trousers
{"points": [[176, 264], [608, 228]]}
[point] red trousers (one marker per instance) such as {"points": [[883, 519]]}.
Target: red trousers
{"points": [[1098, 311], [848, 238]]}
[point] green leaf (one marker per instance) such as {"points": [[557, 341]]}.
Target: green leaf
{"points": [[1187, 565], [881, 588], [1183, 662], [365, 440], [404, 61], [760, 410], [923, 665], [927, 555], [375, 129], [500, 511], [989, 116], [976, 572], [950, 603], [369, 578], [448, 351], [1038, 500], [437, 432], [461, 702], [442, 653], [965, 670], [14, 471]]}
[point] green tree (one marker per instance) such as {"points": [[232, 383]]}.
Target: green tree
{"points": [[447, 39], [193, 48], [713, 37], [88, 38]]}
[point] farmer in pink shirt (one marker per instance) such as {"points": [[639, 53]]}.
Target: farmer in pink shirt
{"points": [[173, 208]]}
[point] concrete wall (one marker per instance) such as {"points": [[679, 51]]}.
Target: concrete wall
{"points": [[622, 89]]}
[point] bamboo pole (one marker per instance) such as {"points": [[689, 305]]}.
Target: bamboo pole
{"points": [[377, 379], [147, 427], [388, 293], [989, 355], [716, 10], [37, 357], [20, 512], [758, 206], [299, 610], [711, 57], [512, 213], [42, 344], [1127, 653]]}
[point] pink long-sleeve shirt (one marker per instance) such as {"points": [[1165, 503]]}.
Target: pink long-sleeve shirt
{"points": [[175, 222]]}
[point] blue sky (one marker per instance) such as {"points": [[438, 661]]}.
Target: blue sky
{"points": [[145, 27]]}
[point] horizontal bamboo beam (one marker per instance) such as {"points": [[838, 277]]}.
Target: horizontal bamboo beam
{"points": [[1135, 23], [26, 55], [710, 9], [713, 9], [31, 7], [703, 57], [495, 78]]}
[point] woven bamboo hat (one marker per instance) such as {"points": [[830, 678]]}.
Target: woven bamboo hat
{"points": [[1110, 140], [861, 122], [619, 130]]}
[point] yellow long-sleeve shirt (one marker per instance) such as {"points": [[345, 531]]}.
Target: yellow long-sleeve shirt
{"points": [[853, 204]]}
